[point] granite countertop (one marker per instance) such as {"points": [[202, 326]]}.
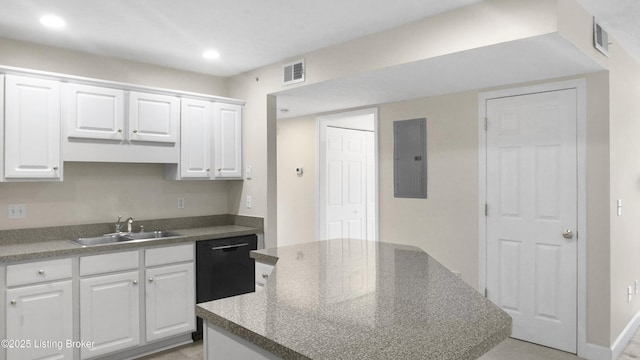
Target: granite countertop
{"points": [[353, 299], [31, 244]]}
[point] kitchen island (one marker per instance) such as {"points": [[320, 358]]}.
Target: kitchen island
{"points": [[353, 299]]}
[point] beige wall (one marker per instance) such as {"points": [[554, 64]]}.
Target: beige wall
{"points": [[598, 227], [94, 192], [625, 185], [297, 142], [99, 192]]}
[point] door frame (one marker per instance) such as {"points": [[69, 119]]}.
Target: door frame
{"points": [[339, 119], [580, 85]]}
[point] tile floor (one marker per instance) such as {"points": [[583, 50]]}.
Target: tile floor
{"points": [[507, 350], [193, 351]]}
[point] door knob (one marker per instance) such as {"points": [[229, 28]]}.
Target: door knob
{"points": [[567, 234]]}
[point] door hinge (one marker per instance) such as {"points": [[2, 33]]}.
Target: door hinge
{"points": [[486, 123], [486, 210]]}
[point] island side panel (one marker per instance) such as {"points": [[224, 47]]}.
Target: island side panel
{"points": [[220, 344]]}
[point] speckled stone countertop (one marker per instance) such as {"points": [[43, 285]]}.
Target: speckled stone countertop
{"points": [[353, 299], [43, 243]]}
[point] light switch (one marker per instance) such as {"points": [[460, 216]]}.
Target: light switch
{"points": [[249, 202]]}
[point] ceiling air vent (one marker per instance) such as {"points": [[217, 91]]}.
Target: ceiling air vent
{"points": [[600, 38], [293, 72]]}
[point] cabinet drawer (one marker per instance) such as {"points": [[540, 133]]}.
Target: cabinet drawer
{"points": [[35, 272], [262, 272], [168, 255], [104, 263]]}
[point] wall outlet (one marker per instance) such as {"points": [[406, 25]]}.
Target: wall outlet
{"points": [[629, 293], [17, 211], [180, 203], [249, 202], [248, 173]]}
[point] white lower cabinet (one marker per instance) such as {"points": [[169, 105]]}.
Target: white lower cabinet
{"points": [[39, 310], [110, 313], [39, 317], [109, 302], [170, 301], [116, 306], [125, 303], [170, 291]]}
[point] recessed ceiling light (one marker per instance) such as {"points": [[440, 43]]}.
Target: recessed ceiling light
{"points": [[52, 21], [210, 54]]}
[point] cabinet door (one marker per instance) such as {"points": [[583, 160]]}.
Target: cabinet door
{"points": [[170, 301], [195, 139], [109, 313], [41, 316], [153, 117], [32, 128], [227, 141], [94, 112]]}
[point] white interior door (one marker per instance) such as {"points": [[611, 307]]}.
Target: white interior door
{"points": [[532, 201], [345, 185]]}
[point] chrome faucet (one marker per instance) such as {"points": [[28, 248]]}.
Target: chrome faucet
{"points": [[118, 225]]}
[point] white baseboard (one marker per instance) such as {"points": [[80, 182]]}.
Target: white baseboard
{"points": [[625, 336], [596, 352]]}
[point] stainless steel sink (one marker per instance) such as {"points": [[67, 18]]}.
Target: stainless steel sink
{"points": [[123, 237], [100, 240], [149, 235]]}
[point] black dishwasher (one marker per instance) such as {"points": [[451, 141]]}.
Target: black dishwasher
{"points": [[223, 269]]}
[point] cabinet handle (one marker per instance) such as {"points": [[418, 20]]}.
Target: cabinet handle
{"points": [[13, 302], [150, 279], [219, 169], [208, 169], [135, 131], [40, 272], [55, 168], [264, 276], [135, 282], [120, 130]]}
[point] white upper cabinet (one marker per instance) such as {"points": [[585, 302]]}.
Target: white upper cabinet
{"points": [[153, 117], [195, 139], [227, 141], [94, 112], [32, 128]]}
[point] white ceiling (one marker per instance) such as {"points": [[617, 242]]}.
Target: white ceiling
{"points": [[247, 33], [253, 33]]}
